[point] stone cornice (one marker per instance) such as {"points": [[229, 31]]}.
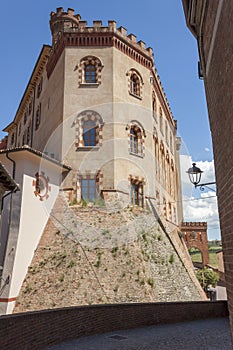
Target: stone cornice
{"points": [[104, 37]]}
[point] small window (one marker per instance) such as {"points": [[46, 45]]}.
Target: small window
{"points": [[137, 193], [28, 134], [19, 132], [134, 84], [90, 74], [12, 138], [25, 118], [38, 117], [161, 120], [89, 133], [154, 107], [166, 132], [90, 68], [88, 189], [39, 87], [30, 107], [135, 140]]}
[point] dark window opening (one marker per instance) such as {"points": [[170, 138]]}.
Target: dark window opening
{"points": [[89, 133], [137, 193], [90, 74], [134, 85], [135, 141], [88, 189]]}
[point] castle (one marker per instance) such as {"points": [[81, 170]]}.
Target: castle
{"points": [[94, 125]]}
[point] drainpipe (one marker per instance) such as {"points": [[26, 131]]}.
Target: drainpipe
{"points": [[33, 114]]}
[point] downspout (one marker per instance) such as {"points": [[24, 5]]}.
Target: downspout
{"points": [[33, 113]]}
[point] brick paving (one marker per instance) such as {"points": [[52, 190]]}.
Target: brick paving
{"points": [[202, 334]]}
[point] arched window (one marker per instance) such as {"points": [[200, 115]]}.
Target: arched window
{"points": [[135, 83], [89, 133], [136, 136], [154, 106], [161, 120], [88, 128], [137, 191], [135, 140], [89, 70], [90, 74]]}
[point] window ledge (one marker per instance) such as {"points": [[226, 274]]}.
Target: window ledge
{"points": [[88, 148], [89, 85], [137, 96], [137, 154]]}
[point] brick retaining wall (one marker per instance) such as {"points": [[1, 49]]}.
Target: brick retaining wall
{"points": [[36, 330]]}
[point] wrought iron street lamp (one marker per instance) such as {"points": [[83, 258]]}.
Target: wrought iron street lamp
{"points": [[194, 174]]}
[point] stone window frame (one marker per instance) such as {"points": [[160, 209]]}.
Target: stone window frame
{"points": [[154, 107], [28, 134], [81, 118], [156, 150], [85, 61], [38, 117], [12, 138], [140, 183], [141, 134], [97, 176], [161, 121], [134, 73], [39, 87]]}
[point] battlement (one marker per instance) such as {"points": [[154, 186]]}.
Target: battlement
{"points": [[61, 14], [194, 224], [68, 22]]}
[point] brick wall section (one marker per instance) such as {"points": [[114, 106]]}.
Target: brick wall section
{"points": [[219, 93], [36, 330]]}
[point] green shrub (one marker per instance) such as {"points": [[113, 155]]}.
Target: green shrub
{"points": [[207, 277], [151, 282], [171, 259]]}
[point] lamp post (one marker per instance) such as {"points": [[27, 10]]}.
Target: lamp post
{"points": [[194, 174]]}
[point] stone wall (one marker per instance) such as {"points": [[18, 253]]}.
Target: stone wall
{"points": [[92, 255]]}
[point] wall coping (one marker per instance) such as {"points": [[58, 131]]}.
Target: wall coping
{"points": [[36, 330]]}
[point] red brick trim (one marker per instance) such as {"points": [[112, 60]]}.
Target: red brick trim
{"points": [[7, 300], [97, 39], [84, 116]]}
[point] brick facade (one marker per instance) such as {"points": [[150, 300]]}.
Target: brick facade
{"points": [[214, 31], [195, 236]]}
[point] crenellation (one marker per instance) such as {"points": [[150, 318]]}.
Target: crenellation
{"points": [[195, 224], [97, 24], [142, 44], [150, 51], [122, 30], [82, 24], [133, 38], [112, 25], [59, 10], [70, 12]]}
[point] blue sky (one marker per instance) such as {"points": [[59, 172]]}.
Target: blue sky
{"points": [[159, 23]]}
